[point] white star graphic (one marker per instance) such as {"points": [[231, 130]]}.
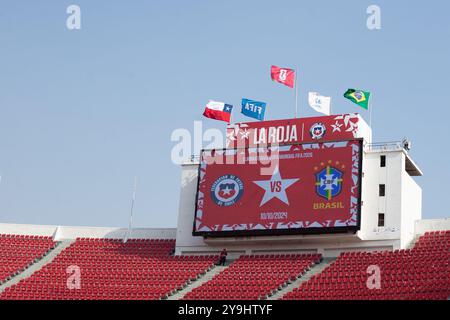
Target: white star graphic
{"points": [[275, 187], [231, 135], [352, 126], [226, 191], [244, 134], [336, 126]]}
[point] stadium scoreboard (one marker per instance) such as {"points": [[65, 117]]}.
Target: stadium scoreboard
{"points": [[302, 188]]}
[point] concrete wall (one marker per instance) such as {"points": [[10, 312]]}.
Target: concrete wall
{"points": [[27, 229], [411, 209], [64, 233], [186, 209], [401, 205], [373, 204], [423, 226]]}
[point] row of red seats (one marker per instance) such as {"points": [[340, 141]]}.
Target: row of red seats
{"points": [[254, 277], [420, 273], [111, 270], [23, 237], [17, 252]]}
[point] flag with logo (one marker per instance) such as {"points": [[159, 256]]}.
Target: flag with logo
{"points": [[361, 98], [319, 103], [218, 111], [283, 75], [253, 109]]}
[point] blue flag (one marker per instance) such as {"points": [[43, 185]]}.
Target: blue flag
{"points": [[253, 109]]}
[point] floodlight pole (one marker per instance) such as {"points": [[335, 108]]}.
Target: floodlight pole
{"points": [[133, 198]]}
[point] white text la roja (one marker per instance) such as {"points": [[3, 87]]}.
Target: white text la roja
{"points": [[281, 134]]}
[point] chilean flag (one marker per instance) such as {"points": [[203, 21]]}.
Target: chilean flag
{"points": [[283, 75], [218, 110]]}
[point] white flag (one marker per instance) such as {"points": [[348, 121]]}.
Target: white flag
{"points": [[320, 103]]}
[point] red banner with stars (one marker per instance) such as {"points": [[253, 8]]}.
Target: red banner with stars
{"points": [[301, 188], [292, 131]]}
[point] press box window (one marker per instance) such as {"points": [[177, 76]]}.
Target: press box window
{"points": [[382, 190], [382, 161], [381, 219]]}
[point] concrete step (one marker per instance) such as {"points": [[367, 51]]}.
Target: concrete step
{"points": [[316, 269], [179, 295], [37, 265], [413, 242]]}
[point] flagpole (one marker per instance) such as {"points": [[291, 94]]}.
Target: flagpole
{"points": [[231, 116], [296, 93], [370, 110]]}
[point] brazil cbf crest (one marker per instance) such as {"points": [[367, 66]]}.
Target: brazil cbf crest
{"points": [[329, 182], [227, 190], [317, 130], [359, 96]]}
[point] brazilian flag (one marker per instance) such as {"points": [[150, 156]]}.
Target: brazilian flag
{"points": [[361, 98]]}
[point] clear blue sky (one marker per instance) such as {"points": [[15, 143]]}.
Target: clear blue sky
{"points": [[84, 111]]}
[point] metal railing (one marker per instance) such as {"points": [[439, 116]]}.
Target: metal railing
{"points": [[377, 146], [386, 146]]}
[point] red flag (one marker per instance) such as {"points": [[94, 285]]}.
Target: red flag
{"points": [[283, 75]]}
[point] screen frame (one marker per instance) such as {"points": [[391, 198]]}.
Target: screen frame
{"points": [[279, 232]]}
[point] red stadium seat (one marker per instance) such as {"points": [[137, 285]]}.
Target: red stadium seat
{"points": [[420, 273], [17, 252], [144, 269], [112, 270], [253, 276]]}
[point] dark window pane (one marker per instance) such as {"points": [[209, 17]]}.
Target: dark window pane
{"points": [[382, 190], [382, 161], [381, 219]]}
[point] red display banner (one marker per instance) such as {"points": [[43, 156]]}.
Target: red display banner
{"points": [[299, 188], [291, 131]]}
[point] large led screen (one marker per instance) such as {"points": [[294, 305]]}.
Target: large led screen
{"points": [[302, 188]]}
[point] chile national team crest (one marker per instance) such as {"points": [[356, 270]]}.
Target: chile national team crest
{"points": [[227, 190], [329, 182], [317, 131]]}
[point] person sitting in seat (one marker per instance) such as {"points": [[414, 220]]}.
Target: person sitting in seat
{"points": [[223, 257]]}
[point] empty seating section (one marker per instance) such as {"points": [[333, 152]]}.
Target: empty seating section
{"points": [[145, 269], [420, 273], [253, 277], [18, 251], [111, 269]]}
